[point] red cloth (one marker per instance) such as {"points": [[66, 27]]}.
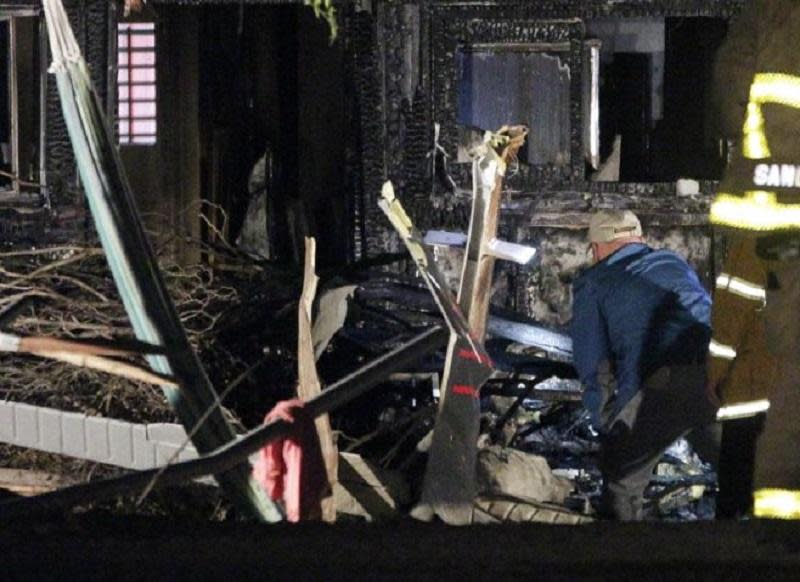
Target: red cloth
{"points": [[291, 469]]}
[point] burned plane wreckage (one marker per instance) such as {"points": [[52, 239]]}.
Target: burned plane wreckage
{"points": [[446, 236]]}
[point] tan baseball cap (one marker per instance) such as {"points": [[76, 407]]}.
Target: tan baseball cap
{"points": [[610, 225]]}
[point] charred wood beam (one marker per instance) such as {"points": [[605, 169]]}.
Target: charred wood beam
{"points": [[558, 345], [308, 384], [236, 452], [545, 394]]}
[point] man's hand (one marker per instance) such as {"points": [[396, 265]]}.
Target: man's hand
{"points": [[596, 423]]}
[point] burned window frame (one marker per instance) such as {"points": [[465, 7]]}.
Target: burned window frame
{"points": [[12, 14], [551, 50], [131, 138], [450, 33]]}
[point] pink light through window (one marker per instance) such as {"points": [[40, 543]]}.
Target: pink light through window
{"points": [[136, 82]]}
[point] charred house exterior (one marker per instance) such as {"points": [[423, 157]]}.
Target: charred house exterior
{"points": [[614, 94]]}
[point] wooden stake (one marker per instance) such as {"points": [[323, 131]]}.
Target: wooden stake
{"points": [[449, 486], [308, 385]]}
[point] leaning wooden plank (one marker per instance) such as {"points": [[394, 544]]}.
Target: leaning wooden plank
{"points": [[233, 453], [550, 340], [449, 485], [37, 344], [133, 263], [467, 367], [27, 483], [110, 366], [308, 385], [84, 355]]}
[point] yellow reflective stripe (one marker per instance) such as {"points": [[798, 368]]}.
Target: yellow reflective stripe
{"points": [[741, 287], [754, 142], [742, 409], [777, 503], [776, 88], [766, 88], [759, 210], [723, 351], [756, 210]]}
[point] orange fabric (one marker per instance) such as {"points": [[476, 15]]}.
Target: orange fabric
{"points": [[292, 469]]}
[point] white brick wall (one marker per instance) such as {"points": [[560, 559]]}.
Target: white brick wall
{"points": [[103, 440]]}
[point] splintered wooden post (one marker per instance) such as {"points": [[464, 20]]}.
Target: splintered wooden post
{"points": [[449, 486], [308, 386], [464, 378], [488, 171]]}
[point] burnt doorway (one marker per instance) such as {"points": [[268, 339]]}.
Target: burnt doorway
{"points": [[271, 122], [232, 86], [654, 80]]}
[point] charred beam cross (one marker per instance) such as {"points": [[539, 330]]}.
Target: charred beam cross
{"points": [[449, 486]]}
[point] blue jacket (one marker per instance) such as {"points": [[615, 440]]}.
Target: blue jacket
{"points": [[636, 311]]}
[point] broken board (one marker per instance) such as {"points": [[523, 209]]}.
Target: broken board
{"points": [[449, 486], [308, 384], [473, 366]]}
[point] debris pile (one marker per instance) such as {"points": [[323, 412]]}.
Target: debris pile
{"points": [[490, 429], [530, 410], [68, 293], [532, 421]]}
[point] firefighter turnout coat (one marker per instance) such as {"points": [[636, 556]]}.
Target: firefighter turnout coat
{"points": [[756, 90]]}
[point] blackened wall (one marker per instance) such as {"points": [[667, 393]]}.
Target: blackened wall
{"points": [[90, 21], [414, 59]]}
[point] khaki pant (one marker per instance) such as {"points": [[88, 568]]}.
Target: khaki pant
{"points": [[672, 403]]}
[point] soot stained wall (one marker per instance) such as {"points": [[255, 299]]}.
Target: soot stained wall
{"points": [[412, 59], [89, 20]]}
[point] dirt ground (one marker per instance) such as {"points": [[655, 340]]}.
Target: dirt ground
{"points": [[105, 547]]}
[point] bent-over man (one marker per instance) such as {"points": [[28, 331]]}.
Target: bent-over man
{"points": [[640, 332]]}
